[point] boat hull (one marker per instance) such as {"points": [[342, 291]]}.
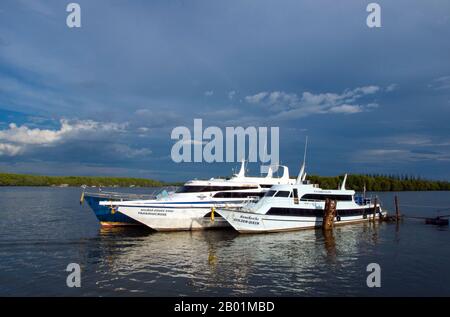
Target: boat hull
{"points": [[105, 216], [246, 222], [175, 219]]}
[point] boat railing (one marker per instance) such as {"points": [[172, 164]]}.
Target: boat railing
{"points": [[364, 200], [165, 191], [160, 192], [252, 202]]}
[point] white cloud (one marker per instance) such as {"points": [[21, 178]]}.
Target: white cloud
{"points": [[290, 105], [399, 155], [416, 140], [346, 109], [391, 87], [380, 155], [209, 93], [366, 90], [277, 99], [143, 129], [256, 98], [441, 83], [17, 139], [26, 135], [419, 140], [10, 149], [129, 152], [231, 94], [382, 152]]}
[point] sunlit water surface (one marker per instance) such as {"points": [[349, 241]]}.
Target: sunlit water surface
{"points": [[42, 230]]}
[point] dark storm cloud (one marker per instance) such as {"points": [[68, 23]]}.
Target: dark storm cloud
{"points": [[155, 65]]}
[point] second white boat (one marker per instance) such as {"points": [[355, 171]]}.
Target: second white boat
{"points": [[299, 206]]}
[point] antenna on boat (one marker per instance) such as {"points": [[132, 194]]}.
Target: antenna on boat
{"points": [[343, 182], [301, 175], [285, 175], [304, 177]]}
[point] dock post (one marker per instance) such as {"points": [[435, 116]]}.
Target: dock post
{"points": [[375, 203], [328, 214], [397, 209]]}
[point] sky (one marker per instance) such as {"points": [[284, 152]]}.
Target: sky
{"points": [[103, 99]]}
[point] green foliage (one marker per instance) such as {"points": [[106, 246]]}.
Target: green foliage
{"points": [[356, 182], [36, 180], [380, 183]]}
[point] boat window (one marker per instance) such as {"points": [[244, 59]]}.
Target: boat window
{"points": [[238, 194], [304, 212], [283, 193], [270, 193], [325, 196], [198, 189], [265, 185]]}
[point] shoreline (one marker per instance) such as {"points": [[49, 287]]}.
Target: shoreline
{"points": [[357, 182], [144, 187]]}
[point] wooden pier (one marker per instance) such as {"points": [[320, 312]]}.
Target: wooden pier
{"points": [[440, 220], [328, 214]]}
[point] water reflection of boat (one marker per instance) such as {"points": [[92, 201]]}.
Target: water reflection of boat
{"points": [[224, 262], [193, 257]]}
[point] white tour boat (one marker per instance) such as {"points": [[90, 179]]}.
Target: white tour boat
{"points": [[299, 206], [192, 206]]}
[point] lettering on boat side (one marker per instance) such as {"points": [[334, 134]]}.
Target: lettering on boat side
{"points": [[74, 278], [247, 219], [154, 212], [227, 306], [374, 278]]}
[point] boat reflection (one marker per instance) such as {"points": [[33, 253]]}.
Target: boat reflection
{"points": [[209, 262], [330, 245]]}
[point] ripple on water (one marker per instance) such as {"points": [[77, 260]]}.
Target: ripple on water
{"points": [[48, 230]]}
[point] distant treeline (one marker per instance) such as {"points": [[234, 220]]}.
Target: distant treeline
{"points": [[356, 182], [380, 183], [35, 180]]}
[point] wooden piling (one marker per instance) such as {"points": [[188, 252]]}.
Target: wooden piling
{"points": [[328, 214], [375, 203], [397, 209]]}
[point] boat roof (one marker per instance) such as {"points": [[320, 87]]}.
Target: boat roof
{"points": [[313, 189], [240, 179]]}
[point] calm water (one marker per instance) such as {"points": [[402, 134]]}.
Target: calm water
{"points": [[42, 230]]}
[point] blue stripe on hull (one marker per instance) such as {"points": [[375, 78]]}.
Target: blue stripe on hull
{"points": [[103, 213]]}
